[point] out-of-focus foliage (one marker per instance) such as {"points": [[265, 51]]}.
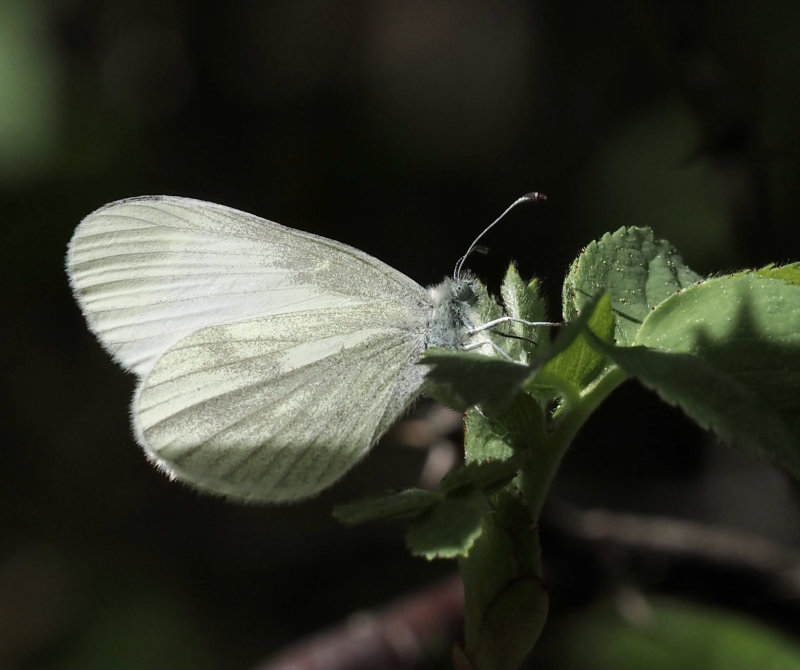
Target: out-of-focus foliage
{"points": [[652, 172], [660, 633], [29, 99]]}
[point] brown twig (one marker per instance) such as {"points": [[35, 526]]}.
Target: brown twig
{"points": [[678, 540], [402, 635]]}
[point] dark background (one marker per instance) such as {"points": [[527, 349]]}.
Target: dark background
{"points": [[402, 128]]}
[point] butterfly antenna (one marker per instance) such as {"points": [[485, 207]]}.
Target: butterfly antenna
{"points": [[533, 196]]}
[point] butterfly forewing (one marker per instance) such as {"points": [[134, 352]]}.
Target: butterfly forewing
{"points": [[150, 271]]}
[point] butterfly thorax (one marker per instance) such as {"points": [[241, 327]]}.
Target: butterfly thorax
{"points": [[450, 323]]}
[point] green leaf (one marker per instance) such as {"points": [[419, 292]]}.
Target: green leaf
{"points": [[638, 271], [485, 475], [483, 310], [485, 307], [499, 437], [790, 272], [727, 352], [483, 440], [463, 379], [393, 505], [449, 528], [522, 301], [581, 363]]}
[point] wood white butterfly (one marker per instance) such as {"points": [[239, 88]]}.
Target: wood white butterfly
{"points": [[269, 360]]}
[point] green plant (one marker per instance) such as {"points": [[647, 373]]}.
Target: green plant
{"points": [[725, 349]]}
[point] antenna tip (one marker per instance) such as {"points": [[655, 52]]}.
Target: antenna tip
{"points": [[534, 196]]}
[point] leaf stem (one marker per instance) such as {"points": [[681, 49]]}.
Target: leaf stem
{"points": [[540, 470]]}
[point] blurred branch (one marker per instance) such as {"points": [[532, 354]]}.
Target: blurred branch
{"points": [[677, 540], [402, 635]]}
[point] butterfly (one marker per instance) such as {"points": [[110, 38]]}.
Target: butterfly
{"points": [[269, 360]]}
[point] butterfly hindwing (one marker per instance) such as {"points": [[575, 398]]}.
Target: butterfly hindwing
{"points": [[251, 411]]}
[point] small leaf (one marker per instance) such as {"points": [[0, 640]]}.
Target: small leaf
{"points": [[485, 309], [638, 271], [506, 434], [485, 475], [449, 528], [522, 301], [394, 505], [581, 363], [790, 272], [463, 379], [484, 440]]}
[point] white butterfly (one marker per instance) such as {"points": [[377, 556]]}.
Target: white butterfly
{"points": [[269, 360]]}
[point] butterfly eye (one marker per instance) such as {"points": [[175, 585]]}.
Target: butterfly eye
{"points": [[463, 292]]}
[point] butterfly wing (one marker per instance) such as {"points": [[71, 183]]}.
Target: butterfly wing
{"points": [[149, 271], [253, 411], [269, 359]]}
